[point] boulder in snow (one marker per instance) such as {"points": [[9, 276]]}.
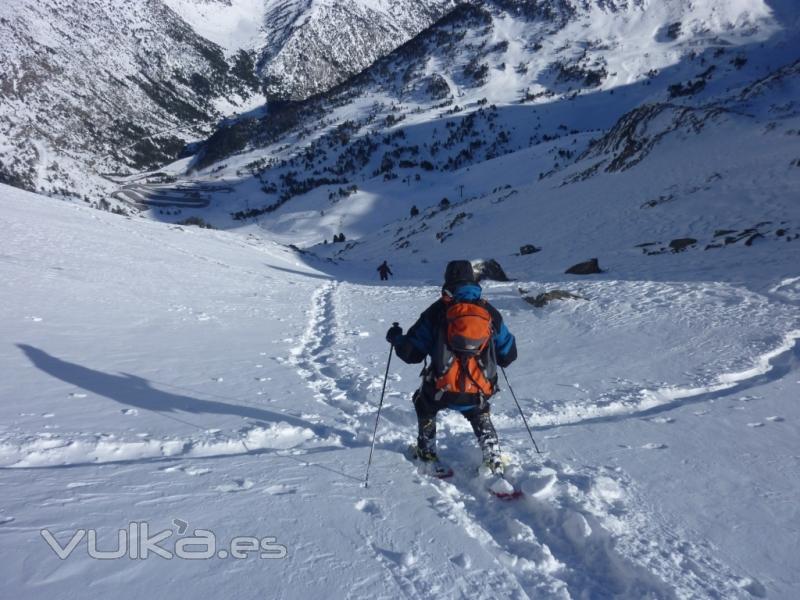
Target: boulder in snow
{"points": [[545, 298], [589, 267], [489, 269], [682, 244]]}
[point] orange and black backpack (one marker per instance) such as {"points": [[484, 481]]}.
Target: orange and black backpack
{"points": [[464, 361]]}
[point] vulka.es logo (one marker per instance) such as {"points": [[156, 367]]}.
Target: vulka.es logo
{"points": [[136, 542]]}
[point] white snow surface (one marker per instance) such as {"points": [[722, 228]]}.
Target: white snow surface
{"points": [[206, 380], [231, 24]]}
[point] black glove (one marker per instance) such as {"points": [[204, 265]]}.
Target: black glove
{"points": [[394, 333]]}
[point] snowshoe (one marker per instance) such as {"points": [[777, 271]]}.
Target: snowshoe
{"points": [[428, 463], [503, 489], [493, 470]]}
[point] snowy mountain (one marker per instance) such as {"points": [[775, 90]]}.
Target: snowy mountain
{"points": [[115, 87], [313, 46], [306, 47], [545, 82], [104, 87], [233, 25]]}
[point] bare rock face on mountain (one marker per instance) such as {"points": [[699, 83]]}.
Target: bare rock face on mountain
{"points": [[639, 131]]}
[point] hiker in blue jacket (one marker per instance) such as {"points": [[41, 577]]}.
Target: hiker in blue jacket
{"points": [[426, 339]]}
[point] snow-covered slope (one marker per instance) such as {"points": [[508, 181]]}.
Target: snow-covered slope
{"points": [[231, 24], [723, 177], [221, 381], [201, 381]]}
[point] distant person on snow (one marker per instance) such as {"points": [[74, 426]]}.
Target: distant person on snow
{"points": [[385, 271], [466, 340]]}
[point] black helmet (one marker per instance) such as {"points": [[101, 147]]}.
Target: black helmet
{"points": [[458, 271]]}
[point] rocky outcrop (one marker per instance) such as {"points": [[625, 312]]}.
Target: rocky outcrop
{"points": [[489, 269], [545, 298], [636, 134], [589, 267], [681, 244]]}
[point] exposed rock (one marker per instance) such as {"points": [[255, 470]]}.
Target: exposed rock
{"points": [[455, 222], [636, 133], [528, 249], [489, 269], [545, 298], [197, 222], [753, 238], [682, 244], [673, 31], [297, 249], [589, 267], [739, 236]]}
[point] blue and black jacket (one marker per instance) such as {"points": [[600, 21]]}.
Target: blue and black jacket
{"points": [[420, 341]]}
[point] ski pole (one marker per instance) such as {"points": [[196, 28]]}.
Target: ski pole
{"points": [[380, 405], [522, 414]]}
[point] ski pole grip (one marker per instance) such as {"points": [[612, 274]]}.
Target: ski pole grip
{"points": [[395, 324]]}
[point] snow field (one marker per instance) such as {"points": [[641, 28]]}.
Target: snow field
{"points": [[238, 394]]}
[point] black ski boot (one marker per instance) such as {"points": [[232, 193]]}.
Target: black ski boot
{"points": [[487, 439], [429, 463], [425, 450]]}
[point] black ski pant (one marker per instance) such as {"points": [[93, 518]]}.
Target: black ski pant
{"points": [[479, 417]]}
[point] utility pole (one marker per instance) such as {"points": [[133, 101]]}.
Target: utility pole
{"points": [[460, 191]]}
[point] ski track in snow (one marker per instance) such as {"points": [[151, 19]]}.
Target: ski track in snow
{"points": [[574, 534], [577, 532], [329, 370]]}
